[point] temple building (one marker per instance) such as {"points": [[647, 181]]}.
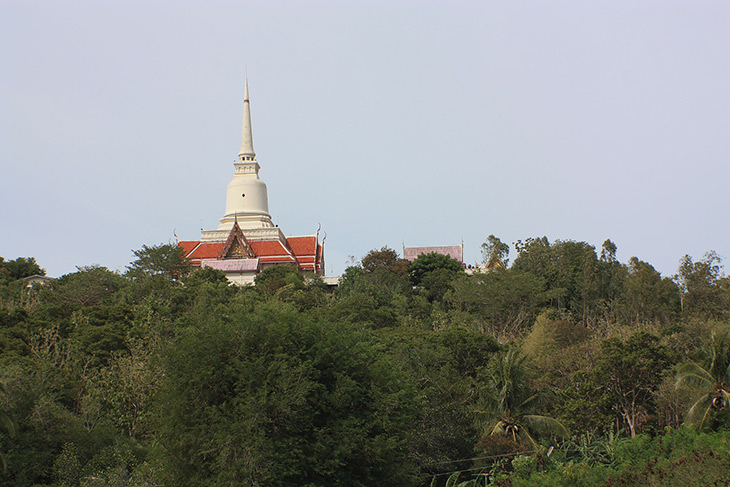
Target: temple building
{"points": [[456, 252], [247, 241]]}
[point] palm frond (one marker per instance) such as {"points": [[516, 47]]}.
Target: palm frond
{"points": [[529, 400], [720, 355], [545, 425], [694, 375], [7, 424], [525, 435], [699, 411], [453, 478], [498, 427]]}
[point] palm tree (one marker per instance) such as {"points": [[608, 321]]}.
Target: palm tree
{"points": [[508, 403], [711, 381]]}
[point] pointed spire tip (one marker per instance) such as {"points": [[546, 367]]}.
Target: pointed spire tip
{"points": [[246, 133]]}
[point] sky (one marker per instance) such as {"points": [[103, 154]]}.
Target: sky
{"points": [[385, 122]]}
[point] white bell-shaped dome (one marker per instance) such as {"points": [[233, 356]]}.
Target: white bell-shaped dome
{"points": [[247, 200]]}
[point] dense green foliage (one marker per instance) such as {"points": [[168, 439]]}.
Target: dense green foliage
{"points": [[676, 458], [408, 373], [19, 268]]}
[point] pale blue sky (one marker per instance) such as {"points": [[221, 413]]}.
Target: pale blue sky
{"points": [[386, 121]]}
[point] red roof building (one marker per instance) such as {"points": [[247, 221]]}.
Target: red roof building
{"points": [[241, 259]]}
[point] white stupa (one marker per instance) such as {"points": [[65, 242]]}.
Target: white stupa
{"points": [[247, 200]]}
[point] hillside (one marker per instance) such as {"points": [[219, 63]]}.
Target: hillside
{"points": [[565, 367]]}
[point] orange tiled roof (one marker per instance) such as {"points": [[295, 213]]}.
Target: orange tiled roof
{"points": [[207, 250], [188, 245], [304, 251], [278, 260], [307, 250], [269, 248], [302, 246]]}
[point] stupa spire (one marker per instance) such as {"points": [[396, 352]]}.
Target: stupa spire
{"points": [[246, 133]]}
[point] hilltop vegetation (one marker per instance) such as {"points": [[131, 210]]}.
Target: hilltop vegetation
{"points": [[405, 374]]}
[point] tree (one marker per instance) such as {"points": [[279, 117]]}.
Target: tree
{"points": [[6, 424], [570, 272], [534, 255], [648, 298], [704, 289], [19, 268], [164, 260], [426, 263], [495, 253], [550, 336], [384, 259], [289, 284], [271, 279], [88, 286], [630, 372], [443, 364], [275, 398], [435, 273], [608, 251], [611, 281], [437, 283], [709, 380], [125, 388], [507, 402], [505, 300], [209, 275], [379, 298], [87, 307]]}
